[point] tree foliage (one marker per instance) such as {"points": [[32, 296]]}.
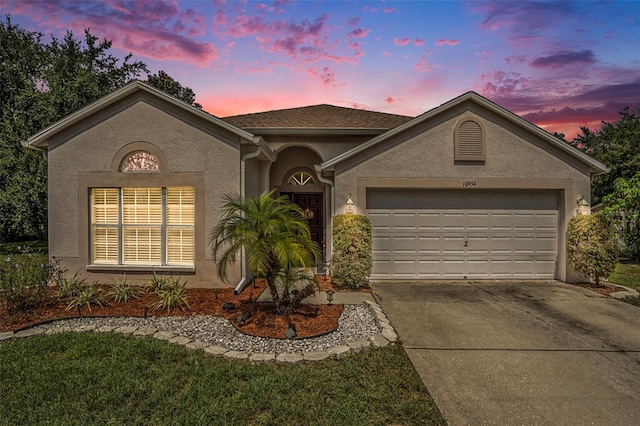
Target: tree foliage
{"points": [[616, 145], [623, 206], [164, 82], [277, 243], [592, 246], [40, 84], [352, 250]]}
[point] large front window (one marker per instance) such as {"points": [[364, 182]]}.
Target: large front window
{"points": [[142, 226]]}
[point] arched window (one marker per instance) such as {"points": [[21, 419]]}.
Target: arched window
{"points": [[140, 161], [301, 179]]}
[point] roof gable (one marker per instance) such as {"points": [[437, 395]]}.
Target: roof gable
{"points": [[595, 166], [318, 117], [41, 140]]}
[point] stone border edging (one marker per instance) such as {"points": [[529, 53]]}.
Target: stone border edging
{"points": [[385, 337], [627, 293]]}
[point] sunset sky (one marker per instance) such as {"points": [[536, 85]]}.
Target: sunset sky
{"points": [[560, 65]]}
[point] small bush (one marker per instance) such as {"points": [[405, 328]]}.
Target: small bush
{"points": [[592, 246], [24, 280], [120, 291], [352, 258], [69, 287], [87, 295], [171, 293]]}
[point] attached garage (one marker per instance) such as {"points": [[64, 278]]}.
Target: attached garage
{"points": [[432, 234]]}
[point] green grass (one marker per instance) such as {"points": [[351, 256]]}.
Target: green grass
{"points": [[627, 274], [108, 379]]}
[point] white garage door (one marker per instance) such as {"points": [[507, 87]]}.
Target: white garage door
{"points": [[463, 235]]}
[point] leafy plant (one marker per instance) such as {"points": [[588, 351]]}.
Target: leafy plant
{"points": [[623, 206], [120, 291], [592, 246], [69, 287], [171, 293], [352, 257], [275, 237], [24, 280], [87, 295]]}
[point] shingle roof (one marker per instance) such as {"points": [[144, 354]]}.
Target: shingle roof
{"points": [[318, 117]]}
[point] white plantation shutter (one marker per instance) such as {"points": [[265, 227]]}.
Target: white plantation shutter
{"points": [[180, 221], [143, 226], [142, 242], [104, 211]]}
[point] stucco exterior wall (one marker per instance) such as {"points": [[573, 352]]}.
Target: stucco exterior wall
{"points": [[86, 156], [424, 158], [326, 147]]}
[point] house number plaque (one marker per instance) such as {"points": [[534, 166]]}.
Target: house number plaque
{"points": [[469, 184]]}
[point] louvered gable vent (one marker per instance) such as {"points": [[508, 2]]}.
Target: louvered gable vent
{"points": [[469, 142]]}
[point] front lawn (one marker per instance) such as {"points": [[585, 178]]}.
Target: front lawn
{"points": [[627, 274], [93, 378]]}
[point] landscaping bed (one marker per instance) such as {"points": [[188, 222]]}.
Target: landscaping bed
{"points": [[309, 320]]}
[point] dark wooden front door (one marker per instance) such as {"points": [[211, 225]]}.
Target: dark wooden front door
{"points": [[311, 205]]}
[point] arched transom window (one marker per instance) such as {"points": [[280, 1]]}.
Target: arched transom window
{"points": [[301, 179], [140, 161]]}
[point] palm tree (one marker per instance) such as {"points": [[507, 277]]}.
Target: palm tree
{"points": [[276, 240]]}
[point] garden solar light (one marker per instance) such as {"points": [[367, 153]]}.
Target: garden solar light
{"points": [[330, 294]]}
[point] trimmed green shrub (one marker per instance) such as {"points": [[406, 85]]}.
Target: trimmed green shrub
{"points": [[352, 258], [592, 246]]}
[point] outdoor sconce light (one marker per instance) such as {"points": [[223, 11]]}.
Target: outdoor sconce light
{"points": [[349, 205], [330, 294], [583, 206]]}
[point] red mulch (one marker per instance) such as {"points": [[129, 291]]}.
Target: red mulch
{"points": [[309, 320], [605, 288]]}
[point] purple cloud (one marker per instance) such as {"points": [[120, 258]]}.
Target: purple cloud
{"points": [[565, 58]]}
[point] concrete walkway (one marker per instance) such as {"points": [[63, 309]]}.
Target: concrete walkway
{"points": [[533, 353]]}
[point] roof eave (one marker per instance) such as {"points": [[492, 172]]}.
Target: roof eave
{"points": [[595, 166], [40, 140]]}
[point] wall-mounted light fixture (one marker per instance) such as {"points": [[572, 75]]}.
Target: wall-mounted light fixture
{"points": [[349, 205], [583, 206]]}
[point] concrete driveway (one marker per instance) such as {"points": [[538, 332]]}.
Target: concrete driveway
{"points": [[520, 353]]}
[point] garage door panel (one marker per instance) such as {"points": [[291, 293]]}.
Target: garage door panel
{"points": [[478, 221], [429, 268], [402, 221], [453, 221], [381, 245], [429, 244], [428, 221], [403, 245]]}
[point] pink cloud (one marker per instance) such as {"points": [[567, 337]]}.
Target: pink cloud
{"points": [[391, 100], [326, 75], [388, 10], [159, 29], [423, 65], [401, 41], [445, 42], [418, 42], [387, 54], [565, 58]]}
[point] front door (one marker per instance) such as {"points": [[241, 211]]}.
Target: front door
{"points": [[311, 205]]}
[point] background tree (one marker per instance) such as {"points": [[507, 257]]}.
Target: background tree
{"points": [[164, 82], [616, 145], [277, 243], [41, 83], [623, 206]]}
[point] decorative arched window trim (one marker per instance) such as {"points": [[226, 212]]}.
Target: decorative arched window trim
{"points": [[469, 140], [124, 152], [301, 178], [140, 161]]}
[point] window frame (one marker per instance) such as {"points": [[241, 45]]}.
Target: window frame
{"points": [[164, 226]]}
